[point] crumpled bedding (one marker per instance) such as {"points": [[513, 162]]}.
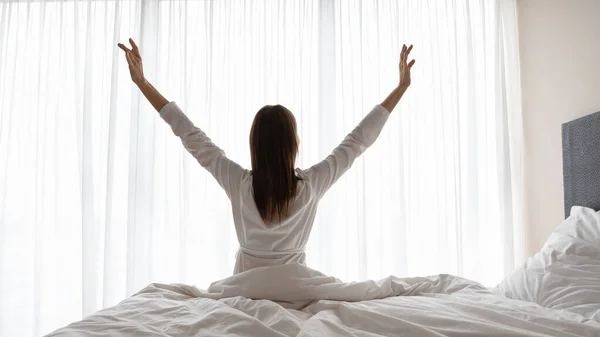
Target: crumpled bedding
{"points": [[294, 300]]}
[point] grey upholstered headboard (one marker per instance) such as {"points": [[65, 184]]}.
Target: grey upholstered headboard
{"points": [[581, 162]]}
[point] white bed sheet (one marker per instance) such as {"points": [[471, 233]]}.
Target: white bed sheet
{"points": [[298, 301]]}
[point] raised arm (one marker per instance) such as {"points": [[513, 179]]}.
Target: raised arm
{"points": [[325, 173], [227, 173]]}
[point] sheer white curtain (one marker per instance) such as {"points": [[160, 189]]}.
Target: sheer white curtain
{"points": [[98, 198]]}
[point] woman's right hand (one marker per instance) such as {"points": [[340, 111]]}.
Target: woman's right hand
{"points": [[404, 67], [134, 59]]}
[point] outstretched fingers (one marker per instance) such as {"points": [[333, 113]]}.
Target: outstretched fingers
{"points": [[125, 49], [412, 62], [133, 55], [136, 50], [402, 53], [405, 53]]}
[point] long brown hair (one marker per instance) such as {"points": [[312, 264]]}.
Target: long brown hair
{"points": [[273, 148]]}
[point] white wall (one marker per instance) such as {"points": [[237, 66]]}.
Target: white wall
{"points": [[560, 77]]}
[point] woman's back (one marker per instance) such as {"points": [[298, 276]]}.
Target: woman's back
{"points": [[272, 244], [285, 241]]}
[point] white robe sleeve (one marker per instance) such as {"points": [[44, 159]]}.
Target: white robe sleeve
{"points": [[325, 173], [227, 172]]}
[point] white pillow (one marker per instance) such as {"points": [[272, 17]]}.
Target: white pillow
{"points": [[565, 274]]}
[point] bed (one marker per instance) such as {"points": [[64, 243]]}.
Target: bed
{"points": [[554, 293]]}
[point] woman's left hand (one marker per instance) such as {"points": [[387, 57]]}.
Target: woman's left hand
{"points": [[134, 59], [404, 66]]}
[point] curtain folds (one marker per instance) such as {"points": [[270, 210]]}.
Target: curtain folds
{"points": [[99, 199]]}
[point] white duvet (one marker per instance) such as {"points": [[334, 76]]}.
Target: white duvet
{"points": [[298, 301]]}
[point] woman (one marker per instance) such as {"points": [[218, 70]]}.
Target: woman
{"points": [[274, 204]]}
